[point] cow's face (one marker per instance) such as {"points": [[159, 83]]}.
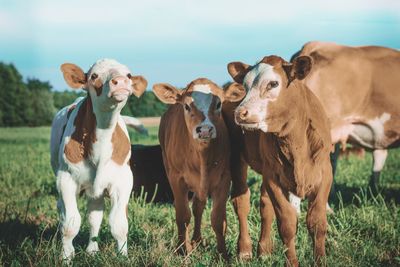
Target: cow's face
{"points": [[108, 83], [201, 102], [267, 86]]}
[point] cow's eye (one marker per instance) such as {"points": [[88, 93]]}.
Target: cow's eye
{"points": [[187, 107], [273, 84], [129, 75], [94, 76], [218, 105]]}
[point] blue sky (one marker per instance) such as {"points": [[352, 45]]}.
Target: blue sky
{"points": [[178, 41]]}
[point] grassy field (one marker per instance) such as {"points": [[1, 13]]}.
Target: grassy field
{"points": [[364, 231]]}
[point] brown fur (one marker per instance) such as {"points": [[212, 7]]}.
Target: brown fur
{"points": [[192, 165], [358, 82], [293, 158], [79, 146], [121, 145]]}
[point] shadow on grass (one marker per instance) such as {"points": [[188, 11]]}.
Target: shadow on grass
{"points": [[348, 194], [14, 231]]}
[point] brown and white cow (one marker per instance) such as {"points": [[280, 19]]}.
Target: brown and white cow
{"points": [[195, 148], [90, 150], [359, 90], [286, 138]]}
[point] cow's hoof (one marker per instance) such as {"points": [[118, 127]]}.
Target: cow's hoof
{"points": [[264, 249], [245, 249], [245, 256]]}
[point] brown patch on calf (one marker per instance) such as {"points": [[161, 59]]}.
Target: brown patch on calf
{"points": [[121, 145], [79, 146]]}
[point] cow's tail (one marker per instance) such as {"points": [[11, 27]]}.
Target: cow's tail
{"points": [[135, 124]]}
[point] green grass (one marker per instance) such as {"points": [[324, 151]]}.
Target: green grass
{"points": [[364, 231]]}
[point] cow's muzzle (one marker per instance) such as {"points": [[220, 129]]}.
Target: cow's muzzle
{"points": [[120, 88]]}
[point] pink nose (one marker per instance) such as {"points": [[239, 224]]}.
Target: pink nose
{"points": [[120, 88], [241, 114], [119, 81], [204, 131]]}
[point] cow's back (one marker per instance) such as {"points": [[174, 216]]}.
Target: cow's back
{"points": [[353, 81], [57, 132]]}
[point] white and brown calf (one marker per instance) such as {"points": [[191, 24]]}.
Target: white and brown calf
{"points": [[90, 151]]}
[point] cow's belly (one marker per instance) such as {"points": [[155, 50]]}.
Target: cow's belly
{"points": [[367, 133]]}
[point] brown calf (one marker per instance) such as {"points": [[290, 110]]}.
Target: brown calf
{"points": [[195, 147], [286, 139]]}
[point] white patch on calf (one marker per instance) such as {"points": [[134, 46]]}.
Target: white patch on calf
{"points": [[295, 201], [255, 81], [202, 99], [103, 66]]}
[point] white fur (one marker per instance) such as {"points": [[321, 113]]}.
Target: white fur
{"points": [[95, 174], [254, 82], [295, 201], [379, 158], [370, 133], [202, 99]]}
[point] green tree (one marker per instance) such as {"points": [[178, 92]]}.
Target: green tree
{"points": [[146, 106], [66, 97], [40, 105], [13, 95]]}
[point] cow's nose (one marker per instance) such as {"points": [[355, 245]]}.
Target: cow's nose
{"points": [[204, 128], [242, 113], [119, 81]]}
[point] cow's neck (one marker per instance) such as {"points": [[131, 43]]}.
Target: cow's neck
{"points": [[107, 120], [105, 130], [295, 145]]}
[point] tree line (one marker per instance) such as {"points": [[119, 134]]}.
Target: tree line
{"points": [[34, 103]]}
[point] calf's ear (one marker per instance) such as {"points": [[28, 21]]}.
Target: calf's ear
{"points": [[234, 93], [167, 93], [238, 70], [139, 84], [73, 75], [299, 68]]}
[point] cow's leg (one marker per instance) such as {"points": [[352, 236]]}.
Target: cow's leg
{"points": [[265, 244], [241, 204], [182, 214], [198, 208], [70, 219], [334, 156], [286, 217], [95, 215], [218, 213], [316, 216], [118, 219], [379, 157]]}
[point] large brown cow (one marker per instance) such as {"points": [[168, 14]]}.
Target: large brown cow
{"points": [[289, 146], [195, 148], [359, 88]]}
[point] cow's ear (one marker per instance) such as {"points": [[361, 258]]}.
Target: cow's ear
{"points": [[299, 68], [73, 75], [238, 70], [139, 84], [234, 93], [167, 93]]}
